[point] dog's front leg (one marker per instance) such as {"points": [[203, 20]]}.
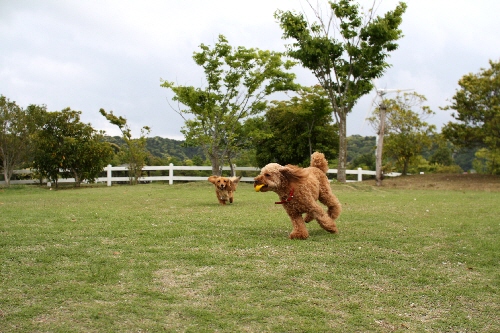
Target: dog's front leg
{"points": [[221, 199], [299, 227]]}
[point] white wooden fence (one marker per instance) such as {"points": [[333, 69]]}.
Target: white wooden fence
{"points": [[109, 179]]}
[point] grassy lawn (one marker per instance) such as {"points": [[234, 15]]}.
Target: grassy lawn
{"points": [[160, 258]]}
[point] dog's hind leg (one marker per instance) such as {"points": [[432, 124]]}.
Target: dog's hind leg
{"points": [[333, 204], [324, 220]]}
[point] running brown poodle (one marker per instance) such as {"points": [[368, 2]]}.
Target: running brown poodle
{"points": [[299, 189]]}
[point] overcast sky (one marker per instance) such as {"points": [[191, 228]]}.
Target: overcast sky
{"points": [[89, 54]]}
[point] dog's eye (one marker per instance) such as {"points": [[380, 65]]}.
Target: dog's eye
{"points": [[267, 175]]}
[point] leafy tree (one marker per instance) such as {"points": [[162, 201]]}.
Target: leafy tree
{"points": [[135, 150], [66, 146], [487, 161], [237, 82], [477, 112], [361, 152], [291, 131], [15, 142], [345, 51], [407, 134], [364, 161], [464, 157], [443, 153]]}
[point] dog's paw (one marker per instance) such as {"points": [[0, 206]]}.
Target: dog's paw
{"points": [[298, 235]]}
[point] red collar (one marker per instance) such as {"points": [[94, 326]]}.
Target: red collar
{"points": [[290, 197]]}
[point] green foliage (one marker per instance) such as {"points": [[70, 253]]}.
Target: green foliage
{"points": [[361, 152], [291, 131], [364, 161], [477, 112], [66, 146], [135, 150], [15, 140], [237, 82], [358, 145], [420, 164], [347, 62], [443, 152], [164, 148], [440, 168], [487, 161], [464, 157]]}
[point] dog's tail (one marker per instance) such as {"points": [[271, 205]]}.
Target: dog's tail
{"points": [[319, 161], [234, 182]]}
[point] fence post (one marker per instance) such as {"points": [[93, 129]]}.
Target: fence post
{"points": [[171, 174], [108, 174], [360, 175]]}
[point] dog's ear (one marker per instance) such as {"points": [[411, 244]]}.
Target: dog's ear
{"points": [[213, 179], [293, 173]]}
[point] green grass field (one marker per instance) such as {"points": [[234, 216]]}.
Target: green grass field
{"points": [[160, 258]]}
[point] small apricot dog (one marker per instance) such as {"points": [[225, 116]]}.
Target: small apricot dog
{"points": [[299, 189], [224, 188]]}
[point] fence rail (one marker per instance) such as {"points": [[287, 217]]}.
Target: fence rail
{"points": [[109, 179]]}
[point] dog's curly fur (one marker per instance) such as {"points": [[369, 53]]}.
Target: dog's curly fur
{"points": [[224, 187], [299, 189]]}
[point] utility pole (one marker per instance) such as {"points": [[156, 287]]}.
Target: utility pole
{"points": [[380, 144], [379, 175]]}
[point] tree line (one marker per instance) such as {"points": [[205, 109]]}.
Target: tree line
{"points": [[233, 119], [346, 49], [54, 144], [57, 144]]}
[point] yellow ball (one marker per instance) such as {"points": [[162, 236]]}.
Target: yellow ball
{"points": [[258, 187]]}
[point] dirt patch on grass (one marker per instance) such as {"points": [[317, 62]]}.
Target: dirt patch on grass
{"points": [[457, 182]]}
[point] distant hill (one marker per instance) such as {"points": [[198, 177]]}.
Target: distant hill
{"points": [[358, 145], [164, 147]]}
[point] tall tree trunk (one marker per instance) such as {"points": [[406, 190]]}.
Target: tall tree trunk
{"points": [[309, 133], [7, 173], [78, 181], [6, 178], [233, 170], [216, 167], [405, 166], [310, 146], [341, 172]]}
